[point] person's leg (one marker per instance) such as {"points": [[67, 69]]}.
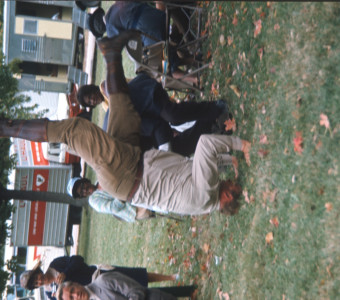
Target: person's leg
{"points": [[178, 113], [123, 120], [114, 162], [156, 277], [179, 291]]}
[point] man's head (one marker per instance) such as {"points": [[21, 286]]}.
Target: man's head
{"points": [[32, 279], [229, 194], [69, 290], [78, 187], [89, 95]]}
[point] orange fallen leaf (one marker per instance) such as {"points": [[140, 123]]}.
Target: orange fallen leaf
{"points": [[208, 54], [269, 237], [324, 121], [276, 26], [230, 40], [230, 125], [214, 90], [274, 221], [258, 27], [206, 248], [235, 20], [298, 142], [260, 53], [329, 206], [235, 90]]}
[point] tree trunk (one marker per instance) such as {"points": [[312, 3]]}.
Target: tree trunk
{"points": [[6, 195]]}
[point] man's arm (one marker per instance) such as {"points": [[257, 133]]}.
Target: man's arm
{"points": [[103, 202], [121, 285]]}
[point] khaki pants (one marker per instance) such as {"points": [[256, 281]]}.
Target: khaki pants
{"points": [[113, 155]]}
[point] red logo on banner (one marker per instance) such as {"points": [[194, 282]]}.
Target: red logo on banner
{"points": [[38, 155], [38, 209]]}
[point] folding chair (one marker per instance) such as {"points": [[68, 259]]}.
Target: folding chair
{"points": [[154, 59]]}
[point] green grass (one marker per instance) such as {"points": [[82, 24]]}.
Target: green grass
{"points": [[296, 80]]}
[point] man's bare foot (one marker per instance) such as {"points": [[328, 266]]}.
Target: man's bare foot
{"points": [[245, 149]]}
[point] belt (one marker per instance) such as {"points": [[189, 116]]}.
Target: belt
{"points": [[139, 176]]}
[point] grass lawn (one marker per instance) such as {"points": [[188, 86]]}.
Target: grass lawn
{"points": [[278, 66]]}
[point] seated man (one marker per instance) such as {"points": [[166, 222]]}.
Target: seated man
{"points": [[103, 202], [156, 110], [155, 178], [127, 15], [114, 285]]}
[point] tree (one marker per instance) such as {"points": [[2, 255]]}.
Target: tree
{"points": [[6, 195], [12, 106]]}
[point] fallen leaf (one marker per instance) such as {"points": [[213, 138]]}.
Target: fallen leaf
{"points": [[318, 145], [245, 194], [222, 40], [206, 248], [242, 107], [329, 206], [263, 139], [269, 237], [324, 121], [208, 54], [258, 27], [230, 124], [214, 89], [274, 221], [276, 26], [273, 195], [230, 40], [226, 296], [298, 142], [234, 20], [260, 53], [262, 153], [235, 90]]}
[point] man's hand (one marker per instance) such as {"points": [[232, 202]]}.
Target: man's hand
{"points": [[61, 278], [235, 165], [245, 149]]}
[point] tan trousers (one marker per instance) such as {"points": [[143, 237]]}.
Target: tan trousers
{"points": [[113, 155], [173, 183]]}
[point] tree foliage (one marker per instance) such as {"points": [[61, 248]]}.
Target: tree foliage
{"points": [[12, 105]]}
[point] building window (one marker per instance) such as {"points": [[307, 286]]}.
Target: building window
{"points": [[28, 46], [30, 27]]}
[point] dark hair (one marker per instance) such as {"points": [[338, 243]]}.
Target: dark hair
{"points": [[86, 90], [76, 185], [31, 282], [96, 24], [230, 192]]}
